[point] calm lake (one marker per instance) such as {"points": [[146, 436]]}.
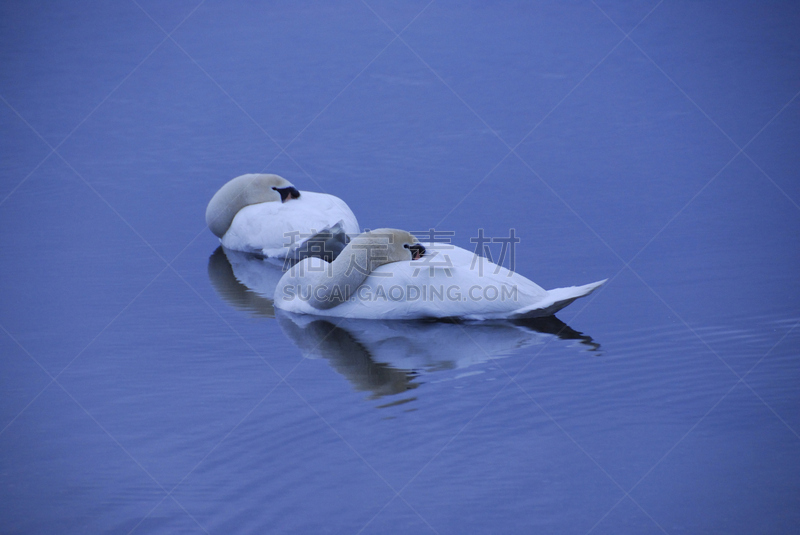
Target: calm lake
{"points": [[149, 385]]}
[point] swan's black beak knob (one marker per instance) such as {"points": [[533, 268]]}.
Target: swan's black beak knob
{"points": [[417, 251], [288, 193]]}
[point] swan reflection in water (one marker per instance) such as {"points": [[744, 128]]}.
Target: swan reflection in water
{"points": [[245, 281], [381, 357]]}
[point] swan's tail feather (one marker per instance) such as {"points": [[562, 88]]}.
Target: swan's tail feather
{"points": [[556, 300]]}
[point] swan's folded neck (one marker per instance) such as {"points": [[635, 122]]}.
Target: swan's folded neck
{"points": [[345, 275]]}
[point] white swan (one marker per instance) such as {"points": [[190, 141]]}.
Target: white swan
{"points": [[388, 274], [260, 213]]}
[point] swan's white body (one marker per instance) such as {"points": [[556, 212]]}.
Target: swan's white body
{"points": [[452, 283], [267, 227], [248, 215]]}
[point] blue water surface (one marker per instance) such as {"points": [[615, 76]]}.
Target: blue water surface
{"points": [[148, 385]]}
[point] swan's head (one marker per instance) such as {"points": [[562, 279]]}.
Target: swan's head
{"points": [[283, 187], [265, 188], [386, 245], [243, 191]]}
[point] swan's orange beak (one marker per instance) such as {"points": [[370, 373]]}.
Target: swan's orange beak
{"points": [[288, 194], [417, 251]]}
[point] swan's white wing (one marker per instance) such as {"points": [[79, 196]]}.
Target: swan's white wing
{"points": [[447, 282], [267, 227]]}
